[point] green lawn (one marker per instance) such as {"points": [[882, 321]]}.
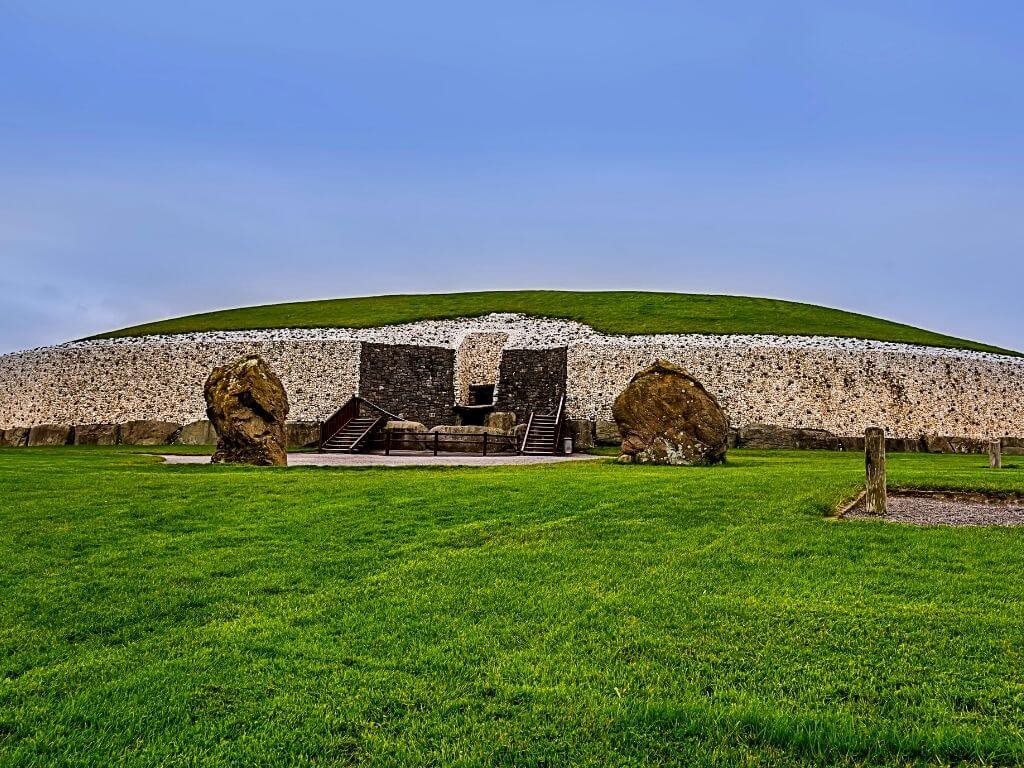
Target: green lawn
{"points": [[627, 312], [579, 614]]}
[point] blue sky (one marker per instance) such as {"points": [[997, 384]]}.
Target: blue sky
{"points": [[160, 159]]}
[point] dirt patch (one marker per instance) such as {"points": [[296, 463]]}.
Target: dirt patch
{"points": [[946, 508]]}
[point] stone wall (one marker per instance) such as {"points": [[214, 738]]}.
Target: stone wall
{"points": [[477, 361], [162, 380], [417, 383], [823, 383], [531, 380], [909, 392]]}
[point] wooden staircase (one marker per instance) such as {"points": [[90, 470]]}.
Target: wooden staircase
{"points": [[349, 430], [543, 433], [353, 435]]}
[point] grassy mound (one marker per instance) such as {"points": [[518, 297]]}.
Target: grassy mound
{"points": [[583, 614], [625, 312]]}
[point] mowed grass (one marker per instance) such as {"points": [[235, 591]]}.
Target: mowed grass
{"points": [[579, 614], [625, 312]]}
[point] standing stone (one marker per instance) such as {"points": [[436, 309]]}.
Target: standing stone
{"points": [[247, 405], [665, 416]]}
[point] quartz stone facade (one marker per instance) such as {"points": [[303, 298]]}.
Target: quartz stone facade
{"points": [[422, 370]]}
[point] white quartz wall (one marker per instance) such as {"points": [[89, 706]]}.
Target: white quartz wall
{"points": [[908, 391], [163, 379], [842, 385]]}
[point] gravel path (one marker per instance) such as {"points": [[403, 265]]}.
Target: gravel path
{"points": [[946, 510], [401, 460]]}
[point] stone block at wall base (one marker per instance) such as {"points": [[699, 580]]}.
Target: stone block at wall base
{"points": [[582, 431], [853, 443], [903, 445], [303, 434], [771, 436], [968, 445], [96, 434], [146, 432], [1013, 446], [15, 437], [607, 433], [197, 433], [50, 435]]}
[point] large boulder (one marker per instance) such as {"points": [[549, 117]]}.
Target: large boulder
{"points": [[149, 432], [502, 421], [96, 434], [469, 439], [247, 405], [665, 416], [50, 434], [404, 437]]}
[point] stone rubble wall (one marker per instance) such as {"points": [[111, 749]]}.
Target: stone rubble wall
{"points": [[909, 392], [411, 381], [531, 380], [163, 380]]}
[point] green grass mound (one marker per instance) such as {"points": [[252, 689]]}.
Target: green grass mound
{"points": [[623, 312], [580, 614]]}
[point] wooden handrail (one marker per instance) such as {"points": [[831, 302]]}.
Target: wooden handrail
{"points": [[558, 422], [389, 414], [367, 431], [337, 420], [526, 434]]}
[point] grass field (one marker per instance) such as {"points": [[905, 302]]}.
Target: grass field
{"points": [[575, 614], [626, 312]]}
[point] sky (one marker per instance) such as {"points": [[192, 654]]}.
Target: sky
{"points": [[160, 159]]}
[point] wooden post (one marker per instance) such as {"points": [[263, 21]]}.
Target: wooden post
{"points": [[436, 436], [485, 443], [995, 454], [387, 442], [874, 462]]}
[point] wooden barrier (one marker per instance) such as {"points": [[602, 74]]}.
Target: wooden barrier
{"points": [[995, 454], [874, 463]]}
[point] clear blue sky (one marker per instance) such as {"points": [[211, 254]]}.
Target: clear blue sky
{"points": [[164, 158]]}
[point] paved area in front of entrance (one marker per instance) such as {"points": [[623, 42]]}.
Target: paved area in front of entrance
{"points": [[410, 459]]}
